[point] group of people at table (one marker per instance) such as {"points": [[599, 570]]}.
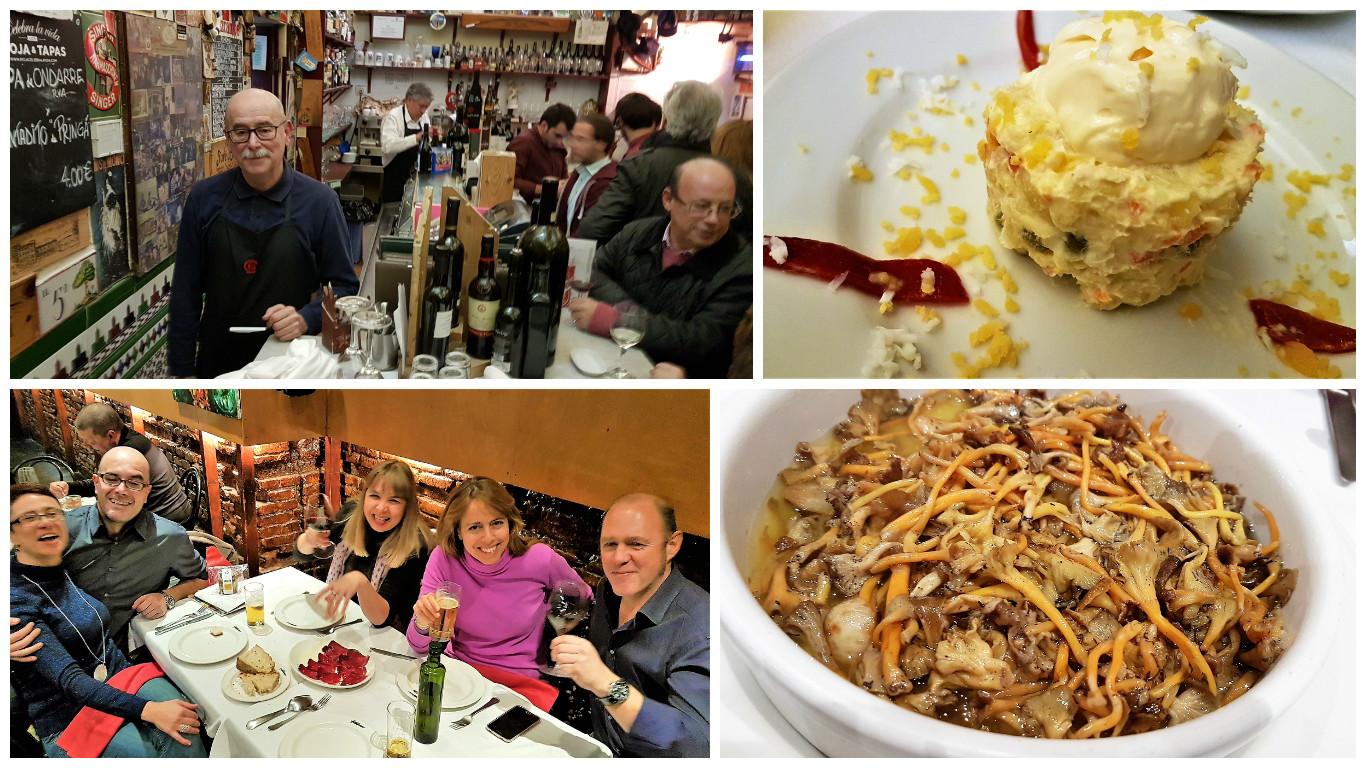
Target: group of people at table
{"points": [[671, 219], [78, 578]]}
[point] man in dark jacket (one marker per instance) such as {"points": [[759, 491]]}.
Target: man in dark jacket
{"points": [[691, 110], [691, 270], [100, 428]]}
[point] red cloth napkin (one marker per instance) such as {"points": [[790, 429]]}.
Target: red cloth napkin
{"points": [[538, 692], [91, 731], [215, 558]]}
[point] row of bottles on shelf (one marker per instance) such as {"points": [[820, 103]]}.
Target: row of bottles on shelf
{"points": [[562, 58], [341, 24], [515, 324], [336, 68]]}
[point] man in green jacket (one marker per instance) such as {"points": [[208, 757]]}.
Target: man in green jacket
{"points": [[690, 270]]}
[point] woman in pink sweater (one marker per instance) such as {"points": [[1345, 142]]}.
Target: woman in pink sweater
{"points": [[504, 581]]}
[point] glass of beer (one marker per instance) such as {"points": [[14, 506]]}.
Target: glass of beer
{"points": [[399, 738], [256, 609], [70, 502], [448, 605]]}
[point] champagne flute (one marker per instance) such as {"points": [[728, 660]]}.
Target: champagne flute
{"points": [[627, 331], [570, 603]]}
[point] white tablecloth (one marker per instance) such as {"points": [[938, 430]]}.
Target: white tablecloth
{"points": [[225, 719], [570, 338], [1321, 724]]}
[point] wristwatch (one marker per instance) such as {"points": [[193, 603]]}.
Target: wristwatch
{"points": [[170, 601], [617, 692]]}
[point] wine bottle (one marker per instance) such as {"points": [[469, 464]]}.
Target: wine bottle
{"points": [[545, 246], [431, 680], [443, 292], [509, 335], [424, 154], [483, 306], [474, 113], [541, 310]]}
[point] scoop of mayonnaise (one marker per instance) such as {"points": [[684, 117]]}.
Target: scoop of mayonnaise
{"points": [[1133, 88]]}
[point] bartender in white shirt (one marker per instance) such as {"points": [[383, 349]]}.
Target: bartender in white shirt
{"points": [[400, 133]]}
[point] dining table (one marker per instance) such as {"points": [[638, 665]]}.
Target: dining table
{"points": [[353, 722]]}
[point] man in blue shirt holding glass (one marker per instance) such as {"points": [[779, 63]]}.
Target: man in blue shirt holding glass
{"points": [[648, 655], [256, 244]]}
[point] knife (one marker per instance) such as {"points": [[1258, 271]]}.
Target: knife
{"points": [[182, 623], [395, 655], [1342, 422]]}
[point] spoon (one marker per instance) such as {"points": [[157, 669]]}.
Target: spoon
{"points": [[296, 704]]}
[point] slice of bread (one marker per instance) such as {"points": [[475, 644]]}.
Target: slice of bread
{"points": [[256, 661], [259, 684]]}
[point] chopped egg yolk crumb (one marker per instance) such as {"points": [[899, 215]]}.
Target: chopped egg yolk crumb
{"points": [[1195, 22], [975, 86], [904, 173], [953, 174], [914, 213], [1293, 204], [900, 141], [1244, 91], [907, 241], [1000, 349], [962, 60], [934, 238], [927, 314], [1315, 228], [931, 190], [1190, 311], [1303, 360], [1268, 172], [1340, 278], [1011, 305], [967, 120], [858, 171], [802, 147], [969, 159], [982, 306], [952, 232], [1304, 180], [957, 215], [1007, 281], [1347, 170], [1296, 111], [875, 75], [887, 225]]}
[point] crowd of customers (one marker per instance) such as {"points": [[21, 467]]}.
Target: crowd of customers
{"points": [[673, 235], [78, 578]]}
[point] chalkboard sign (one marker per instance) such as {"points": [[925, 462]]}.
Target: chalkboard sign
{"points": [[51, 166]]}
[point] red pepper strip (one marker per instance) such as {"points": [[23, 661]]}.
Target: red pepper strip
{"points": [[827, 261], [1286, 324], [1029, 47]]}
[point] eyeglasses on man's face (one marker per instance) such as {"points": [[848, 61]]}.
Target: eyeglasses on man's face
{"points": [[264, 133], [132, 483], [723, 210], [36, 518]]}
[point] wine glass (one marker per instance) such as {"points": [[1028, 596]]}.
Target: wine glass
{"points": [[352, 359], [570, 603], [627, 331]]}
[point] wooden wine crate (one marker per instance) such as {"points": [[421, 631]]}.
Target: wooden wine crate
{"points": [[48, 244], [496, 172]]}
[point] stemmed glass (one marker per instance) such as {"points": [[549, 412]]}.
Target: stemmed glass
{"points": [[352, 359], [374, 324], [627, 331], [570, 603]]}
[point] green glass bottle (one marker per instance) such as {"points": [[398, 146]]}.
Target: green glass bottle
{"points": [[431, 679]]}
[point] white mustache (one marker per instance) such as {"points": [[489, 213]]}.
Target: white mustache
{"points": [[251, 154]]}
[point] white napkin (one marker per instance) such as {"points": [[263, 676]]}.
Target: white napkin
{"points": [[224, 603], [305, 359]]}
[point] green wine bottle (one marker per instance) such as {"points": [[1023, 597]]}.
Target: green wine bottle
{"points": [[431, 679]]}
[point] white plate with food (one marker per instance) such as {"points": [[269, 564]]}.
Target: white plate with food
{"points": [[330, 663], [328, 738], [300, 612], [1206, 330], [242, 686], [208, 643], [464, 688]]}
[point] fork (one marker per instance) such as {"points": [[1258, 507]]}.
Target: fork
{"points": [[315, 707], [467, 719], [332, 629]]}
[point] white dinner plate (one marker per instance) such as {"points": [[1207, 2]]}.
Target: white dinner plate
{"points": [[310, 649], [297, 612], [821, 102], [328, 738], [196, 644], [464, 688], [232, 686]]}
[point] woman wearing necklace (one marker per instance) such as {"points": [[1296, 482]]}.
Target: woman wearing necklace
{"points": [[71, 668], [377, 553]]}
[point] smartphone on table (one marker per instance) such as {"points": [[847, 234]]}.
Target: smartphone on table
{"points": [[513, 723]]}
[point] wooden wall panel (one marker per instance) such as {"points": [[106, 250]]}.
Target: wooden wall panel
{"points": [[588, 446], [269, 416]]}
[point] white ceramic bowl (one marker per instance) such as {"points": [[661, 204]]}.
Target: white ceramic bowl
{"points": [[757, 431]]}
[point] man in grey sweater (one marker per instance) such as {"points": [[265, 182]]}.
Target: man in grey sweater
{"points": [[100, 428]]}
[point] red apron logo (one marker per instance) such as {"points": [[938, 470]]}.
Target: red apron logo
{"points": [[249, 267]]}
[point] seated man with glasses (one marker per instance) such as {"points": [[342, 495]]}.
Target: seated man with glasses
{"points": [[690, 270], [256, 244], [124, 555]]}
